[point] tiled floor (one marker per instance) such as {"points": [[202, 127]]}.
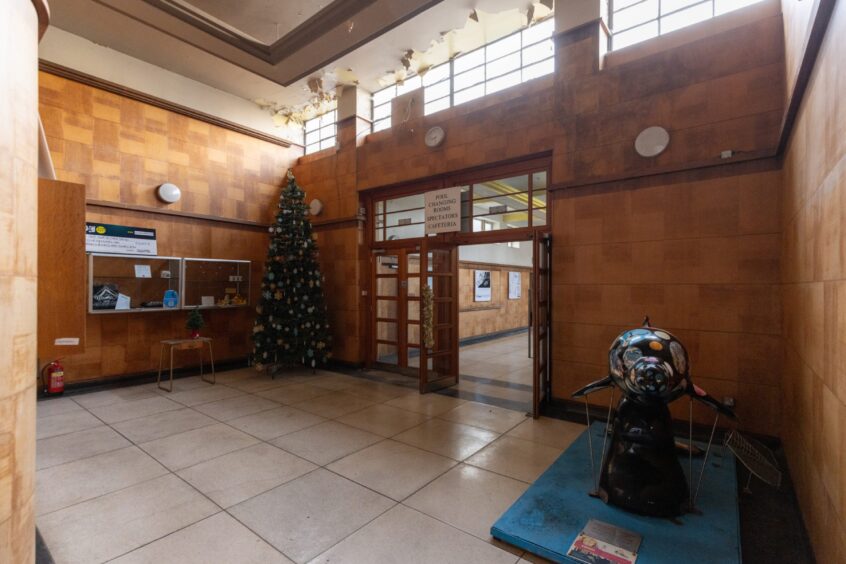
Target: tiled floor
{"points": [[304, 468], [497, 371]]}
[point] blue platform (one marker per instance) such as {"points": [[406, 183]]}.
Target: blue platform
{"points": [[549, 515]]}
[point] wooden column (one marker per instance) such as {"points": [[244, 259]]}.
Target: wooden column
{"points": [[20, 28]]}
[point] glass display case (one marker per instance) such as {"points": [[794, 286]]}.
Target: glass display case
{"points": [[131, 283], [215, 283]]}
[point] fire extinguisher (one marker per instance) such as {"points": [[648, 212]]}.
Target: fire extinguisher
{"points": [[53, 378]]}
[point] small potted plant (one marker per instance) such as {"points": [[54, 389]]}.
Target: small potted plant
{"points": [[194, 323]]}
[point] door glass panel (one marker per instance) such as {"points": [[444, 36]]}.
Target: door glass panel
{"points": [[539, 217], [386, 353], [413, 334], [441, 286], [413, 310], [387, 286], [386, 309], [387, 264], [414, 287], [413, 263], [386, 331]]}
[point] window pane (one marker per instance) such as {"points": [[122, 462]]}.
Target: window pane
{"points": [[404, 218], [538, 52], [503, 82], [636, 35], [436, 74], [327, 131], [502, 47], [312, 124], [312, 137], [469, 78], [539, 181], [500, 204], [469, 94], [327, 119], [405, 203], [381, 112], [539, 199], [436, 106], [384, 95], [510, 185], [686, 17], [501, 66], [510, 220], [539, 217], [410, 84], [404, 232], [437, 91], [312, 148], [636, 14], [381, 124], [669, 6], [538, 32], [723, 6], [539, 69], [327, 143], [468, 61]]}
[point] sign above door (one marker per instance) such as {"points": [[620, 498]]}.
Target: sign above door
{"points": [[443, 210]]}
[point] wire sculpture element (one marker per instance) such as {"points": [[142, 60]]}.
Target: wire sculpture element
{"points": [[640, 469]]}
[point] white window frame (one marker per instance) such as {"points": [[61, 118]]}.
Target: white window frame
{"points": [[320, 132]]}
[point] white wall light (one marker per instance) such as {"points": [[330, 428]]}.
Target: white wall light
{"points": [[652, 141], [169, 193]]}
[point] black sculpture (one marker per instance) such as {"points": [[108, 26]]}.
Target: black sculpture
{"points": [[641, 471]]}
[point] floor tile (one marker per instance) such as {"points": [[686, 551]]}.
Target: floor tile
{"points": [[240, 475], [485, 416], [255, 384], [394, 469], [310, 514], [125, 410], [192, 447], [406, 536], [108, 397], [180, 384], [333, 404], [274, 423], [65, 423], [92, 477], [111, 525], [333, 382], [447, 438], [549, 432], [427, 404], [239, 406], [161, 425], [206, 394], [519, 459], [327, 442], [289, 394], [219, 539], [379, 392], [469, 498], [56, 406], [383, 420], [73, 446]]}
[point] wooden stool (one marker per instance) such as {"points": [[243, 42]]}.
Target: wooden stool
{"points": [[185, 344]]}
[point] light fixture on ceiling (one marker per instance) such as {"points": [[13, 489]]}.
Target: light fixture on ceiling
{"points": [[169, 193], [652, 141]]}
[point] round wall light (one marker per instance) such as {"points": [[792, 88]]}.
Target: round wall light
{"points": [[315, 207], [169, 193], [652, 141]]}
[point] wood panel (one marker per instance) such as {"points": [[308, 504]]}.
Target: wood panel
{"points": [[814, 275], [122, 149], [19, 28], [61, 267], [499, 314]]}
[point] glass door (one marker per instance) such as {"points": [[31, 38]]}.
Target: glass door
{"points": [[396, 311], [439, 350], [541, 321]]}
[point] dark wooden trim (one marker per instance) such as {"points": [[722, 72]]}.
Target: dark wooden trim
{"points": [[43, 12], [175, 213], [95, 82], [821, 16]]}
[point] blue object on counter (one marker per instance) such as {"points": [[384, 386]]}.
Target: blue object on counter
{"points": [[171, 299]]}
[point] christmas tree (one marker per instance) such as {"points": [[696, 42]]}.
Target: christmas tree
{"points": [[291, 326]]}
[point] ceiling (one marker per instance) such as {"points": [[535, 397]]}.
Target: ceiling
{"points": [[268, 49]]}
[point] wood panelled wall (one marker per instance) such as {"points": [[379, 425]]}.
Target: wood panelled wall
{"points": [[814, 274], [499, 314], [19, 29], [122, 150]]}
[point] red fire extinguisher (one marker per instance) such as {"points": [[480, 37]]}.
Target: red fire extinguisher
{"points": [[53, 378]]}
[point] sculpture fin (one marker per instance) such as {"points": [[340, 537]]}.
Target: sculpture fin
{"points": [[606, 382], [702, 396]]}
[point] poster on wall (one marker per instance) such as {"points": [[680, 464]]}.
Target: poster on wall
{"points": [[482, 286], [515, 290], [443, 210], [120, 239]]}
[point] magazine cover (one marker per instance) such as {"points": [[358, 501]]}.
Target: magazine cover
{"points": [[602, 543]]}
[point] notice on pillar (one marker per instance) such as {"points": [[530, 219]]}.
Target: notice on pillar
{"points": [[443, 210]]}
